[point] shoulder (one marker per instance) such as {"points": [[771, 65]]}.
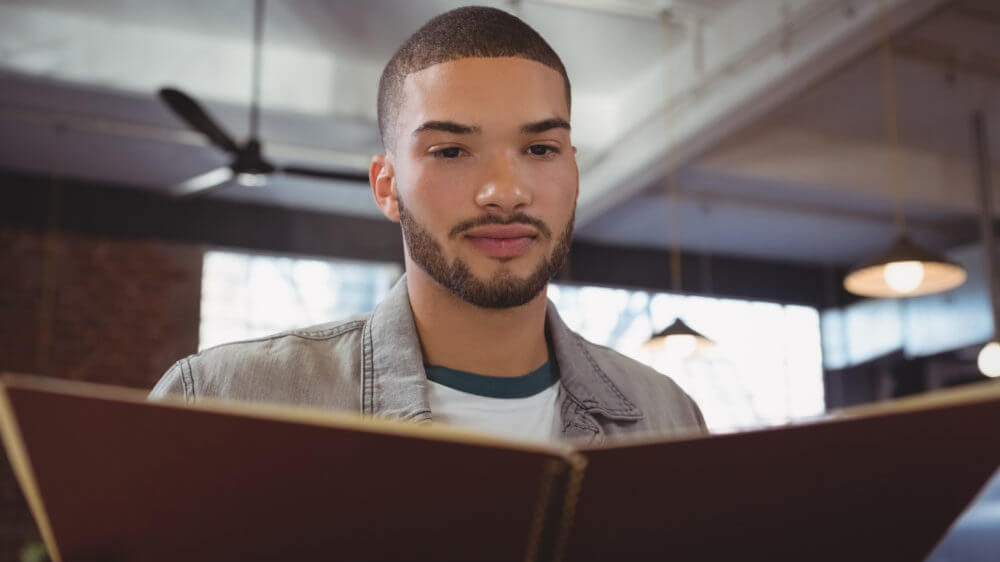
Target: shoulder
{"points": [[664, 404], [297, 343], [283, 367], [296, 338]]}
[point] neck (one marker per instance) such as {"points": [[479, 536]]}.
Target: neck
{"points": [[505, 342]]}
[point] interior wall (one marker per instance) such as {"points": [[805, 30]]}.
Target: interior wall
{"points": [[91, 308], [117, 211], [95, 308]]}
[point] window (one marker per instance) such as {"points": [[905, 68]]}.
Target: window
{"points": [[251, 295], [765, 369]]}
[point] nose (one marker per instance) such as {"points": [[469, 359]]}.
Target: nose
{"points": [[502, 190]]}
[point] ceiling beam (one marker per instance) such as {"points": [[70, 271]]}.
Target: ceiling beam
{"points": [[764, 52], [978, 14], [706, 197], [931, 52], [809, 164]]}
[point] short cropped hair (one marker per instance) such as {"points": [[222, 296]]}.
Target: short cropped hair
{"points": [[470, 31]]}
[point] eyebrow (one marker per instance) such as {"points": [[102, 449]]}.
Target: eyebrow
{"points": [[461, 129], [545, 125], [448, 127]]}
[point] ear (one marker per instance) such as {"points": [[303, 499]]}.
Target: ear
{"points": [[382, 177], [576, 197]]}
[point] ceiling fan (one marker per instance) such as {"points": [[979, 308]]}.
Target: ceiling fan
{"points": [[249, 167]]}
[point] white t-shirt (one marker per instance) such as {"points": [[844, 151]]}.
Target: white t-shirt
{"points": [[520, 407]]}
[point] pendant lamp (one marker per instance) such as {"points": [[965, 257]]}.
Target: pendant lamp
{"points": [[989, 357], [678, 339], [905, 269]]}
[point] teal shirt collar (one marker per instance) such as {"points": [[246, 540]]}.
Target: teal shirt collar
{"points": [[496, 387]]}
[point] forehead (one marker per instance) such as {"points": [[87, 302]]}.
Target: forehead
{"points": [[483, 90]]}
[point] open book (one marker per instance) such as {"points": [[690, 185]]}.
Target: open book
{"points": [[110, 476]]}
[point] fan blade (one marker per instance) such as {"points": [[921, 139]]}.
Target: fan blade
{"points": [[325, 174], [199, 184], [194, 115]]}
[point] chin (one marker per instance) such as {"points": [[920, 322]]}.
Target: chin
{"points": [[520, 267]]}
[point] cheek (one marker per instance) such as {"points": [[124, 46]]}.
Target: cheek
{"points": [[555, 192], [442, 180], [439, 196]]}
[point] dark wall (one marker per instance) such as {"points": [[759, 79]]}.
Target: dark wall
{"points": [[121, 212], [88, 307], [894, 376], [80, 207], [95, 308], [720, 276]]}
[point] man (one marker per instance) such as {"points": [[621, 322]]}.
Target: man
{"points": [[481, 175]]}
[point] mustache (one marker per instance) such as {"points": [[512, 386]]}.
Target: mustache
{"points": [[494, 219]]}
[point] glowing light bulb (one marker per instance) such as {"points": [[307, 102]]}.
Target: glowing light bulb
{"points": [[904, 276], [680, 345], [989, 360], [250, 179]]}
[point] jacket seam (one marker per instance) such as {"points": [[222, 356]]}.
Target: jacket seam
{"points": [[574, 420], [629, 406], [367, 371], [179, 365], [187, 379], [329, 333]]}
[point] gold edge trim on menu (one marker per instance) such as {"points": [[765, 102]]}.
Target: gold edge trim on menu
{"points": [[545, 490], [577, 465], [18, 454], [278, 412]]}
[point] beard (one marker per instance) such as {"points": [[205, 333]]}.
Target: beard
{"points": [[502, 290]]}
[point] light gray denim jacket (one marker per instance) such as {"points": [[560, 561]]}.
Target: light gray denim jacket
{"points": [[372, 364]]}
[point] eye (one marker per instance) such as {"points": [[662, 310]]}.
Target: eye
{"points": [[448, 153], [542, 150]]}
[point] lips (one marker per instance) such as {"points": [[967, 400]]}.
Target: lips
{"points": [[502, 241], [503, 231]]}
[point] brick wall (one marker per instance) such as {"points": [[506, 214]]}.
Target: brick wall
{"points": [[92, 308]]}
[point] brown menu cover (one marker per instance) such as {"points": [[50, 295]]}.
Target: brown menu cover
{"points": [[880, 484], [110, 476]]}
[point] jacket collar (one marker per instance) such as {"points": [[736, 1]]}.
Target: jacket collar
{"points": [[394, 383], [583, 379]]}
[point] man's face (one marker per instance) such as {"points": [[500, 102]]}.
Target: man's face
{"points": [[486, 177]]}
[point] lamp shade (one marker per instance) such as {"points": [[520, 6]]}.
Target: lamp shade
{"points": [[904, 270], [678, 339]]}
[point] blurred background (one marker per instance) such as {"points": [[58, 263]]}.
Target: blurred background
{"points": [[740, 159]]}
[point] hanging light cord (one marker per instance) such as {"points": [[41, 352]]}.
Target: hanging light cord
{"points": [[675, 242], [986, 215], [258, 33], [673, 226], [891, 115]]}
